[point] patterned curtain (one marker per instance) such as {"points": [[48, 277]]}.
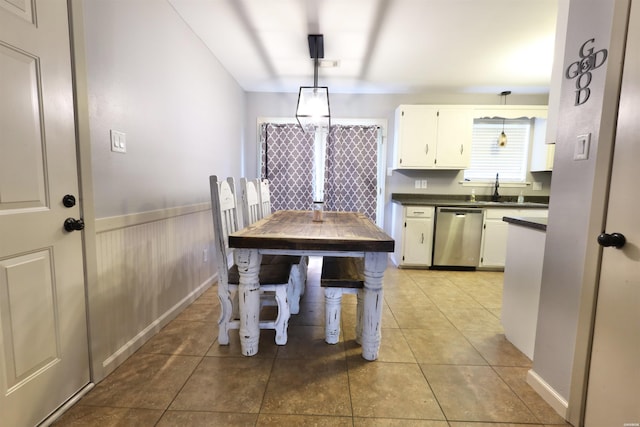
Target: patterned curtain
{"points": [[351, 171], [287, 162]]}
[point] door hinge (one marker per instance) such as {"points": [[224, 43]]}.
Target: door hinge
{"points": [[405, 224], [484, 226]]}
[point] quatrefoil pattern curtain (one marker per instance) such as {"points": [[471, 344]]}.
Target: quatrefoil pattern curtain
{"points": [[287, 162], [350, 167], [351, 170]]}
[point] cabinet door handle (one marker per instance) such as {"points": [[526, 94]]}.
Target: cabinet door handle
{"points": [[426, 149], [422, 238], [461, 148]]}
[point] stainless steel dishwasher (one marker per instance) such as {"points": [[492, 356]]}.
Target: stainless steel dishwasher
{"points": [[457, 237]]}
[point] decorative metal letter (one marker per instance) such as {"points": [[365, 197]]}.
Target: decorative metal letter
{"points": [[581, 69]]}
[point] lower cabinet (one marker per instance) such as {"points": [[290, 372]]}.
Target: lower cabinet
{"points": [[413, 233], [494, 234]]}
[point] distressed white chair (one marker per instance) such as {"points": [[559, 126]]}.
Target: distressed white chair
{"points": [[274, 278], [341, 275], [302, 264], [252, 211], [265, 198]]}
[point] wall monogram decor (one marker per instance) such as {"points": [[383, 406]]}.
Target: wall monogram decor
{"points": [[581, 69]]}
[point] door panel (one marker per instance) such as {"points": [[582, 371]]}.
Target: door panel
{"points": [[614, 375], [44, 349]]}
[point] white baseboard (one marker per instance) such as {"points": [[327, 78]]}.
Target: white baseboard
{"points": [[548, 394], [123, 353]]}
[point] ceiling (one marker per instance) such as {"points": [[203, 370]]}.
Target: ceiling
{"points": [[381, 46]]}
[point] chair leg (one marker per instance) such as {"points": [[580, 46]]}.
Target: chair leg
{"points": [[295, 290], [359, 315], [282, 321], [226, 311], [332, 303]]}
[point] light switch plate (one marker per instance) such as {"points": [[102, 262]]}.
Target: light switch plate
{"points": [[581, 149], [118, 141], [423, 184], [417, 183]]}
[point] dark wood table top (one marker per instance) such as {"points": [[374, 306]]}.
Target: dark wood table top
{"points": [[295, 230]]}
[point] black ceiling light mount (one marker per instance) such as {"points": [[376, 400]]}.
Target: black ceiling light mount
{"points": [[502, 139], [313, 111]]}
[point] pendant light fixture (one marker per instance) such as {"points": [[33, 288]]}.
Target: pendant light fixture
{"points": [[313, 102], [502, 139]]}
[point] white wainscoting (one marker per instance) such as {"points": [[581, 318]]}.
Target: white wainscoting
{"points": [[150, 267]]}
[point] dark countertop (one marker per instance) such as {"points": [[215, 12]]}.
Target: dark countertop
{"points": [[535, 202], [535, 223]]}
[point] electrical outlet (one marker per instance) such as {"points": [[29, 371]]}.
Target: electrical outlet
{"points": [[417, 183], [423, 184]]}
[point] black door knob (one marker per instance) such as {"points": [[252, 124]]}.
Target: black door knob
{"points": [[616, 240], [69, 201], [72, 224]]}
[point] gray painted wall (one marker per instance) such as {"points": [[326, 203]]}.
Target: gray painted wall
{"points": [[151, 77], [577, 200]]}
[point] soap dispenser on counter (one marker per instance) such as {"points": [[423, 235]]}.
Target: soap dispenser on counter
{"points": [[472, 198], [521, 198]]}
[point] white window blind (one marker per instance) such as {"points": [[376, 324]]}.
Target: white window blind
{"points": [[488, 158]]}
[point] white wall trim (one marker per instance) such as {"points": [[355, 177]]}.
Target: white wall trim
{"points": [[123, 221], [548, 394], [116, 359]]}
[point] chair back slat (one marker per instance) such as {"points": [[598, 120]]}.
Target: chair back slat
{"points": [[252, 211], [265, 197], [225, 219]]}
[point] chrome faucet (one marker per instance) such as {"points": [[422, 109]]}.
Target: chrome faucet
{"points": [[496, 196]]}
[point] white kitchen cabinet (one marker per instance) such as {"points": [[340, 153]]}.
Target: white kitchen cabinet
{"points": [[413, 233], [494, 233], [541, 153], [433, 137]]}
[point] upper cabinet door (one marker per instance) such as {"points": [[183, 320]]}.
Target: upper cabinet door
{"points": [[455, 131], [416, 129]]}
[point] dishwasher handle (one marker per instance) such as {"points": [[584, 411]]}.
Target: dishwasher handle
{"points": [[461, 211]]}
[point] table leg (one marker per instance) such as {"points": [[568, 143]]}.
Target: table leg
{"points": [[374, 266], [248, 261]]}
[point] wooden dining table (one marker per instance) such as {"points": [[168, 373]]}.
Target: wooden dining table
{"points": [[347, 234]]}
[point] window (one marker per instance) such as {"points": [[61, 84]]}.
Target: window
{"points": [[488, 158]]}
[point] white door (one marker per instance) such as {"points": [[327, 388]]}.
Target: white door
{"points": [[43, 353], [613, 398]]}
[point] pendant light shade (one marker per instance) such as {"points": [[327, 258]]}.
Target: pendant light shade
{"points": [[502, 138], [313, 110]]}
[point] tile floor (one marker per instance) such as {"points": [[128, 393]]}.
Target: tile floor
{"points": [[444, 362]]}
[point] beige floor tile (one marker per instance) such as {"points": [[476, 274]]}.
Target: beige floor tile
{"points": [[225, 384], [210, 296], [465, 424], [435, 346], [182, 337], [516, 378], [90, 416], [308, 387], [475, 393], [201, 313], [268, 420], [144, 380], [421, 319], [307, 342], [206, 419], [393, 347], [395, 422], [267, 347], [496, 349], [311, 314], [391, 390], [472, 319]]}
